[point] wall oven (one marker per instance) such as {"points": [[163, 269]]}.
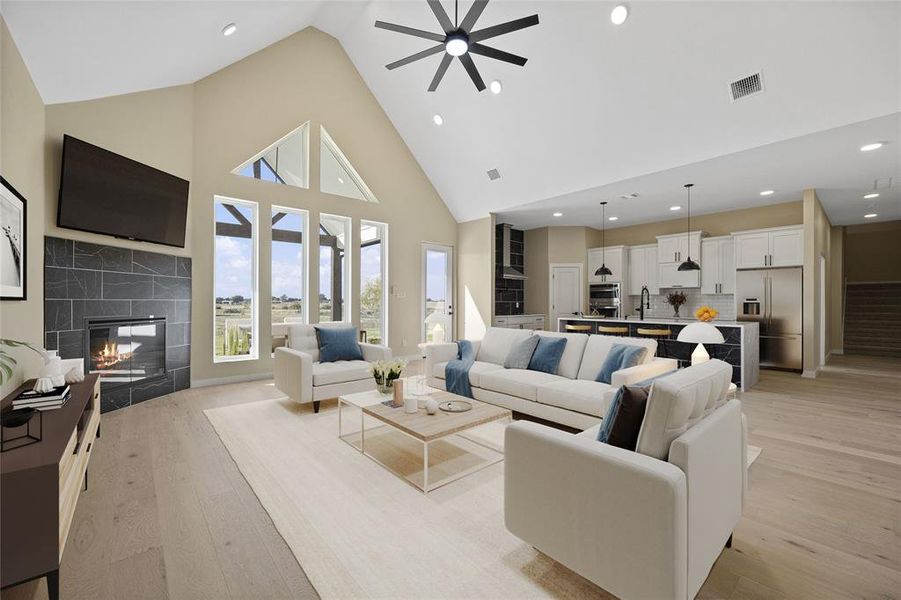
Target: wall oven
{"points": [[605, 299]]}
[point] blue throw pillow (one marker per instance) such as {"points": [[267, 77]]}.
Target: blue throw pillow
{"points": [[338, 344], [548, 352], [621, 356], [610, 416]]}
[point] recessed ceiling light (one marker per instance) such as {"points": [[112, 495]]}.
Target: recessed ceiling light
{"points": [[229, 29], [438, 120], [619, 15], [558, 214], [871, 147], [495, 87], [767, 192], [871, 195], [613, 218], [675, 208], [870, 215]]}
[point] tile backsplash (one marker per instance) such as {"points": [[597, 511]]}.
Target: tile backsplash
{"points": [[694, 299]]}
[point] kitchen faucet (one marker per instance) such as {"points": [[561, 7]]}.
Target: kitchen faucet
{"points": [[642, 304]]}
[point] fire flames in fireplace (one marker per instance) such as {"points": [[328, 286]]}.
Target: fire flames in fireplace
{"points": [[110, 356]]}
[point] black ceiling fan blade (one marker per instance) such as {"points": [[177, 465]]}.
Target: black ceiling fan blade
{"points": [[470, 66], [442, 17], [475, 11], [435, 37], [439, 74], [415, 57], [508, 27], [496, 54]]}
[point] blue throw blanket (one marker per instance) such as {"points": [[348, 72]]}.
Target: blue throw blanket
{"points": [[456, 371]]}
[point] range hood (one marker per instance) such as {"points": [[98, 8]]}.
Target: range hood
{"points": [[508, 271]]}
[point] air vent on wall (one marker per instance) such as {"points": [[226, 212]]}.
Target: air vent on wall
{"points": [[746, 86], [493, 174]]}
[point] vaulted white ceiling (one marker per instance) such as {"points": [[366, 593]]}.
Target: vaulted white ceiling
{"points": [[595, 105]]}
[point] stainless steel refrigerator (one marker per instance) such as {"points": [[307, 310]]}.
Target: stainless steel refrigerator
{"points": [[772, 298]]}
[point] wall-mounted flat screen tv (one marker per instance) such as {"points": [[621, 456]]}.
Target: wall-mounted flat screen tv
{"points": [[103, 192]]}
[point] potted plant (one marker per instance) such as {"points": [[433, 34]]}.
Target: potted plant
{"points": [[385, 373], [675, 299]]}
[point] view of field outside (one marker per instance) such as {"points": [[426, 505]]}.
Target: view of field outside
{"points": [[233, 281], [437, 322]]}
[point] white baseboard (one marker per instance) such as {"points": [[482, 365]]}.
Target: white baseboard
{"points": [[810, 373], [838, 351], [198, 383]]}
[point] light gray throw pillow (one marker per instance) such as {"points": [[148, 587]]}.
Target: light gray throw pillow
{"points": [[521, 353]]}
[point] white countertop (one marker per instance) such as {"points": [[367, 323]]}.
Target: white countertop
{"points": [[660, 321]]}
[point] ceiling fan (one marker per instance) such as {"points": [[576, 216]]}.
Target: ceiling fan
{"points": [[460, 41]]}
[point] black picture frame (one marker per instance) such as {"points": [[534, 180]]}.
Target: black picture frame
{"points": [[10, 198]]}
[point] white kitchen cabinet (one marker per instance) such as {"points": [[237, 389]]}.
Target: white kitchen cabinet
{"points": [[643, 269], [678, 247], [717, 266], [787, 247], [671, 277], [616, 260], [672, 251], [777, 247]]}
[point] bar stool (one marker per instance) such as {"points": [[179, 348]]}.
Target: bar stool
{"points": [[577, 328], [613, 330], [660, 334]]}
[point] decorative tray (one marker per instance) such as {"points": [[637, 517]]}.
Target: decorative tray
{"points": [[455, 406]]}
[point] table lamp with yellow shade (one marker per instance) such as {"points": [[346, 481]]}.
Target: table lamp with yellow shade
{"points": [[700, 333]]}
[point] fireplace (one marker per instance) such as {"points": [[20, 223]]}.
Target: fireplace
{"points": [[126, 351]]}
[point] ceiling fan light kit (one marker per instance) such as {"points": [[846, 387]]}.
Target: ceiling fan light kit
{"points": [[460, 41]]}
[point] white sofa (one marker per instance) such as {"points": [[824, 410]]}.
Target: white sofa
{"points": [[571, 397], [300, 375], [643, 524]]}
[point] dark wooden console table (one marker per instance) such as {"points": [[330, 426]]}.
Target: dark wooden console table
{"points": [[40, 484]]}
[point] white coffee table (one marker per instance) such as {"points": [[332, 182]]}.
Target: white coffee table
{"points": [[422, 427]]}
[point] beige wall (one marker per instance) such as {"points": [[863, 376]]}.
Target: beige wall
{"points": [[836, 289], [817, 245], [873, 252], [22, 164], [151, 127], [724, 223], [546, 246], [535, 259], [204, 130], [475, 277]]}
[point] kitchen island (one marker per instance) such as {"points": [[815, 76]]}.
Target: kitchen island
{"points": [[741, 347]]}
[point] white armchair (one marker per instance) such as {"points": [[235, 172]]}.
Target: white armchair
{"points": [[643, 524], [300, 375]]}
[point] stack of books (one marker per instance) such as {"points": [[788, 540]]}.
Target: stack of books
{"points": [[53, 399]]}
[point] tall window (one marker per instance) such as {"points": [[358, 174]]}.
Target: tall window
{"points": [[334, 268], [289, 265], [235, 280], [374, 281]]}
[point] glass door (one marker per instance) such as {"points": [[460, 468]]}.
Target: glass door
{"points": [[437, 293]]}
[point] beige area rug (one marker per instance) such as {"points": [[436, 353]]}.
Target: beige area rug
{"points": [[359, 531]]}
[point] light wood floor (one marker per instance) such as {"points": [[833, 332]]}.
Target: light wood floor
{"points": [[168, 515]]}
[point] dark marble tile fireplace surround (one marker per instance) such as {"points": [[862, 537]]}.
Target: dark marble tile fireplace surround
{"points": [[84, 282]]}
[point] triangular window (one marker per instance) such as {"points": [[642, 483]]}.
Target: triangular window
{"points": [[337, 175], [286, 161]]}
